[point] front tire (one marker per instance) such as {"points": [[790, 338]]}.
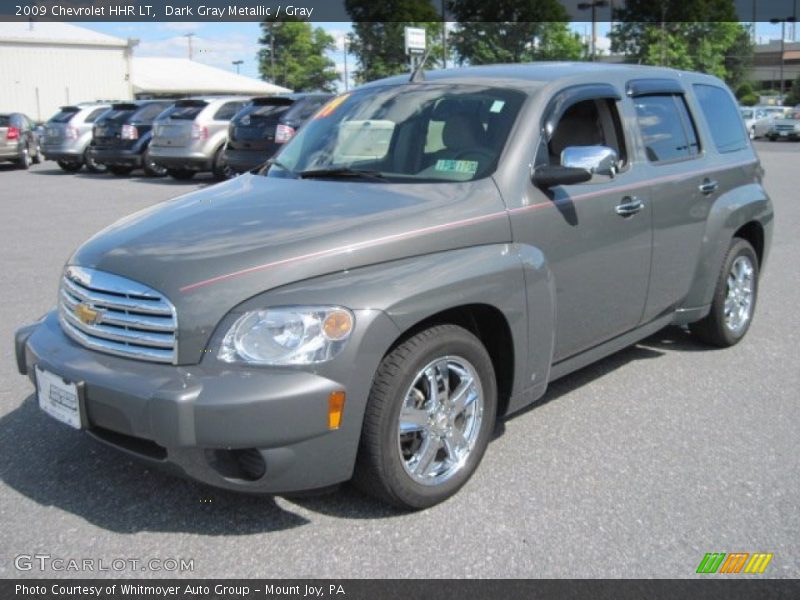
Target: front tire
{"points": [[429, 417], [734, 298]]}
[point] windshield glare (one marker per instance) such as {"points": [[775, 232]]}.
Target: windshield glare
{"points": [[407, 133]]}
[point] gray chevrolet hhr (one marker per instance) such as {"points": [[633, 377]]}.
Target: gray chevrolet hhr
{"points": [[423, 258]]}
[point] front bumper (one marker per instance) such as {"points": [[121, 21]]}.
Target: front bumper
{"points": [[208, 421], [116, 157]]}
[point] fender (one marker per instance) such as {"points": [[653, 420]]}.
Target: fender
{"points": [[143, 142], [729, 212], [513, 279]]}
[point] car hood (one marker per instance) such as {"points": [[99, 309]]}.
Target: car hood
{"points": [[210, 250]]}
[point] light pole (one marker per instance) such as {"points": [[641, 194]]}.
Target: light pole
{"points": [[189, 37], [237, 63], [783, 37], [593, 5]]}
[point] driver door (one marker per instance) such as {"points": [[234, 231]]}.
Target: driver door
{"points": [[598, 252]]}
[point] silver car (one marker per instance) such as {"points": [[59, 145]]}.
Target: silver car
{"points": [[189, 137], [67, 135]]}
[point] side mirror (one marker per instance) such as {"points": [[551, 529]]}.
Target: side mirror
{"points": [[548, 176], [598, 160]]}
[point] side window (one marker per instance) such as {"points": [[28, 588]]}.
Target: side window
{"points": [[667, 128], [593, 122], [92, 117], [720, 113], [227, 110]]}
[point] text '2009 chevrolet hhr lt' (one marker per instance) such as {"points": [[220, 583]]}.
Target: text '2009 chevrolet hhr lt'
{"points": [[423, 258]]}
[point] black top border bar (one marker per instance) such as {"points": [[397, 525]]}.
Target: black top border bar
{"points": [[490, 11]]}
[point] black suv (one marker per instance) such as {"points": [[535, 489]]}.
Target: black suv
{"points": [[121, 137], [264, 124]]}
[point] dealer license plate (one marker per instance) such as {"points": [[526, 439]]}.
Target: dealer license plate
{"points": [[58, 398]]}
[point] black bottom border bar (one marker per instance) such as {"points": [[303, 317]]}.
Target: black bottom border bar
{"points": [[406, 589]]}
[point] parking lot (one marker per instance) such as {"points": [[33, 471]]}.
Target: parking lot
{"points": [[633, 467]]}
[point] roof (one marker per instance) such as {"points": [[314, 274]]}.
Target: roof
{"points": [[51, 32], [528, 75], [184, 76]]}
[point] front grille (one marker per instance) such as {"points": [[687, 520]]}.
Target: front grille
{"points": [[117, 316], [785, 127]]}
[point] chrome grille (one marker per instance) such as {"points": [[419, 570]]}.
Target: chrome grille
{"points": [[112, 314]]}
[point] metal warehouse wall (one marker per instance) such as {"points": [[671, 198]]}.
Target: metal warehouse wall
{"points": [[38, 78]]}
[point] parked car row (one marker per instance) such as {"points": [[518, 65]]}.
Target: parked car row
{"points": [[223, 135], [771, 122], [19, 142]]}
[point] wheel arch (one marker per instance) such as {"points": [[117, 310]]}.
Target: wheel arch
{"points": [[744, 212]]}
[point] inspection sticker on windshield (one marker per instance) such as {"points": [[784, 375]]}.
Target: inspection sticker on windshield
{"points": [[497, 106], [470, 167]]}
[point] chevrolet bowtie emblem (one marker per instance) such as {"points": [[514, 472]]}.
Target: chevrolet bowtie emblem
{"points": [[87, 314]]}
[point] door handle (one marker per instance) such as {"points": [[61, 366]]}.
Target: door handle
{"points": [[630, 206], [709, 186]]}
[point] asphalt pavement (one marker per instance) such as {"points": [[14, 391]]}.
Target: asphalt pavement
{"points": [[633, 467]]}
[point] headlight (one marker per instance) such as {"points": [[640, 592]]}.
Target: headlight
{"points": [[291, 335]]}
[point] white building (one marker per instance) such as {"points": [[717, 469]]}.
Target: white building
{"points": [[44, 65]]}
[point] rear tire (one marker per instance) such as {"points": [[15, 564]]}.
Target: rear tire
{"points": [[219, 167], [38, 158], [151, 168], [69, 167], [734, 300], [25, 159], [92, 165], [119, 170], [182, 174], [429, 417]]}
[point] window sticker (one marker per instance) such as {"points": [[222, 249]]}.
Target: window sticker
{"points": [[470, 167], [331, 106], [497, 106]]}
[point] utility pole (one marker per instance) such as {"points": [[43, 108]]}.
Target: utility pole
{"points": [[237, 64], [189, 37], [783, 22], [593, 6]]}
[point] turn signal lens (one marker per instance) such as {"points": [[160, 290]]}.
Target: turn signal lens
{"points": [[335, 409], [338, 325]]}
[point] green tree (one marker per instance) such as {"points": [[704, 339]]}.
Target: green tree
{"points": [[512, 31], [378, 34], [698, 36], [293, 56], [793, 97]]}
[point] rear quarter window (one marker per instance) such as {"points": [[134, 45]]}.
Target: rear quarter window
{"points": [[722, 117], [227, 111]]}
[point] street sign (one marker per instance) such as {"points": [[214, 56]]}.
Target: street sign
{"points": [[415, 40]]}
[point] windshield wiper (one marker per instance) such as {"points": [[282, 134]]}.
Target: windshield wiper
{"points": [[262, 169], [342, 172]]}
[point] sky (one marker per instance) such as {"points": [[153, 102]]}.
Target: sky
{"points": [[219, 44]]}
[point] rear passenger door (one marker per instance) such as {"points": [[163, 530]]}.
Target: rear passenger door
{"points": [[681, 188]]}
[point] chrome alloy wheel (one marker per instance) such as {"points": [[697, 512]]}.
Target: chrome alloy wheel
{"points": [[739, 299], [440, 420]]}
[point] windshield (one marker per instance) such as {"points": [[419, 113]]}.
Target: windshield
{"points": [[747, 114], [65, 114], [405, 133]]}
